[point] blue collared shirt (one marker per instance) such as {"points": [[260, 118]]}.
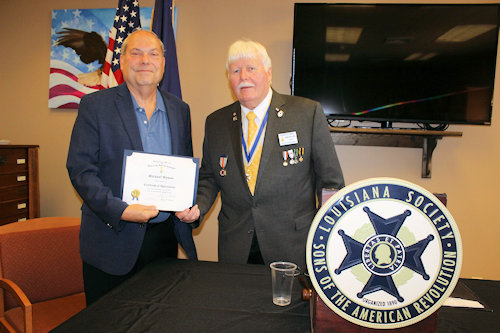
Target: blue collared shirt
{"points": [[155, 134]]}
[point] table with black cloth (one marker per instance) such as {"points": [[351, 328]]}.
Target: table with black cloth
{"points": [[194, 296]]}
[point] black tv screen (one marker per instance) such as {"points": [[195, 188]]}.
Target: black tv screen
{"points": [[411, 63]]}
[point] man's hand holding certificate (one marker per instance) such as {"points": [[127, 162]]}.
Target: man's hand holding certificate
{"points": [[167, 182]]}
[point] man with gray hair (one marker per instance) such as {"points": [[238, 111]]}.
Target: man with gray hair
{"points": [[268, 155], [118, 239]]}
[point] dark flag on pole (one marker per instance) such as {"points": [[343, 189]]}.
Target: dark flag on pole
{"points": [[162, 27]]}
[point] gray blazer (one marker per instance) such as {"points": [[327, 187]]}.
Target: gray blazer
{"points": [[285, 200], [106, 125]]}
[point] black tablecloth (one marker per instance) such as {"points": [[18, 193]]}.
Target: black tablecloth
{"points": [[194, 296], [191, 296]]}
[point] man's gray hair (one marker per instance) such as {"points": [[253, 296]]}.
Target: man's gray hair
{"points": [[248, 49], [123, 49]]}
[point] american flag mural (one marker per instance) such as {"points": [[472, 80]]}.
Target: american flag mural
{"points": [[79, 43]]}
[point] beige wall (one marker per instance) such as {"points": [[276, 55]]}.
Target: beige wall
{"points": [[465, 168]]}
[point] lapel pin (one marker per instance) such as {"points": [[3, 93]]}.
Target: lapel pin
{"points": [[234, 116], [279, 112]]}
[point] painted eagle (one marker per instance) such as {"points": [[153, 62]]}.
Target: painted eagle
{"points": [[90, 46]]}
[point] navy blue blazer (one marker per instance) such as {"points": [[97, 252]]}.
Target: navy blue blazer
{"points": [[106, 125]]}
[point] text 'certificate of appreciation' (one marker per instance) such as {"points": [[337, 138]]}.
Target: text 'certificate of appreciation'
{"points": [[167, 182]]}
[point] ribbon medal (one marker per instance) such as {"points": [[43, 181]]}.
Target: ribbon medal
{"points": [[222, 163], [291, 153], [285, 158]]}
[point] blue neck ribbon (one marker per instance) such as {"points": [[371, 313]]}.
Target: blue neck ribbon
{"points": [[249, 155]]}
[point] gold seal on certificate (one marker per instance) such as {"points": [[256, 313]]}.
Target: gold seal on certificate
{"points": [[135, 194], [167, 182]]}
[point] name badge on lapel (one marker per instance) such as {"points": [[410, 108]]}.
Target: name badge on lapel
{"points": [[288, 138]]}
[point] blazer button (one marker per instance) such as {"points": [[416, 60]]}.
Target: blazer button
{"points": [[250, 231]]}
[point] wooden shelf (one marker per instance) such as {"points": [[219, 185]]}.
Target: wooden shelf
{"points": [[425, 139]]}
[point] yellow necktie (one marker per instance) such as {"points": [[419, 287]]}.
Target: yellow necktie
{"points": [[252, 169]]}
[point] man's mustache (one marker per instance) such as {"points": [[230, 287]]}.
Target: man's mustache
{"points": [[246, 85]]}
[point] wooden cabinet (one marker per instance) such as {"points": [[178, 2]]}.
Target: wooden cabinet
{"points": [[19, 184]]}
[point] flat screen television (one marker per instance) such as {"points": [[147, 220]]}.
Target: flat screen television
{"points": [[411, 63]]}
